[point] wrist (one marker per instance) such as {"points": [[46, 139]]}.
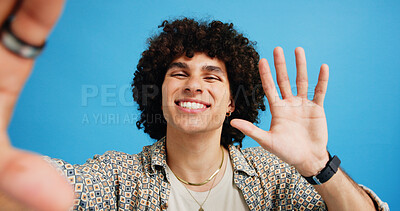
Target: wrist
{"points": [[313, 167], [326, 173]]}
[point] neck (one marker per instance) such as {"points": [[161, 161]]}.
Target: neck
{"points": [[193, 157]]}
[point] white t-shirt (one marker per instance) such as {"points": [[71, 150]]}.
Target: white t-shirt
{"points": [[224, 196]]}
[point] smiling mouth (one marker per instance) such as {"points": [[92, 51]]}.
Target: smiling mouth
{"points": [[191, 105]]}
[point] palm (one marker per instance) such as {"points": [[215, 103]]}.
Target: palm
{"points": [[298, 133], [297, 129]]}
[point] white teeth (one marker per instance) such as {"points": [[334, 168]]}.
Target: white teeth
{"points": [[191, 105]]}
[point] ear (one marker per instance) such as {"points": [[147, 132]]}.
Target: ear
{"points": [[231, 106]]}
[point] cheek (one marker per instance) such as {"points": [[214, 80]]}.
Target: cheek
{"points": [[164, 102], [167, 91], [164, 95], [222, 94]]}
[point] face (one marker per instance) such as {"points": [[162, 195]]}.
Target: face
{"points": [[196, 94]]}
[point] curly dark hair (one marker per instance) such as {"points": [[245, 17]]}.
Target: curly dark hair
{"points": [[188, 36]]}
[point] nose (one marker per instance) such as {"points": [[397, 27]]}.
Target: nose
{"points": [[193, 85]]}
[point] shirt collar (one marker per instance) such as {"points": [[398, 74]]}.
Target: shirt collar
{"points": [[158, 154], [239, 161], [159, 158]]}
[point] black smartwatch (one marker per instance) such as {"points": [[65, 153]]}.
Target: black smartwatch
{"points": [[326, 173]]}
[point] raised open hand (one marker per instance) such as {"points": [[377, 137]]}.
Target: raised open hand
{"points": [[25, 177], [298, 133]]}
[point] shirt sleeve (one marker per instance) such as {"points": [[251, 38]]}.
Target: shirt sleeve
{"points": [[305, 197], [94, 183], [379, 204]]}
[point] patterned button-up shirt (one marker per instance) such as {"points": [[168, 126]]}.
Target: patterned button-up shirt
{"points": [[122, 181]]}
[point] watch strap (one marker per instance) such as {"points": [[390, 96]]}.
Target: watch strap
{"points": [[326, 173]]}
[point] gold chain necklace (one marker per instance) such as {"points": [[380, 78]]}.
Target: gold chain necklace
{"points": [[201, 205], [207, 180]]}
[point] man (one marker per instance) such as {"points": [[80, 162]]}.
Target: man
{"points": [[208, 78]]}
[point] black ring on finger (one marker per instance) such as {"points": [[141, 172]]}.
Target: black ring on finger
{"points": [[16, 45]]}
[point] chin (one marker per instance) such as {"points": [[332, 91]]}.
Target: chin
{"points": [[193, 124], [194, 131], [195, 128], [190, 128]]}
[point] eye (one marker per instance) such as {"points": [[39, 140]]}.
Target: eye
{"points": [[178, 75], [212, 78]]}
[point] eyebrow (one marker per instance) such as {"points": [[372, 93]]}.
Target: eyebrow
{"points": [[209, 68], [178, 65]]}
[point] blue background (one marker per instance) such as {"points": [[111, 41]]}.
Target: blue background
{"points": [[92, 53]]}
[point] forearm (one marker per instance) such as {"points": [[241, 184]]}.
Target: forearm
{"points": [[342, 193]]}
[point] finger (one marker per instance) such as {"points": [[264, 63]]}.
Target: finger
{"points": [[301, 78], [261, 136], [13, 73], [35, 18], [6, 7], [267, 81], [281, 73], [33, 21], [322, 85]]}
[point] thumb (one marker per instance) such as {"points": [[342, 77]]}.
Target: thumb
{"points": [[264, 138], [33, 182]]}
